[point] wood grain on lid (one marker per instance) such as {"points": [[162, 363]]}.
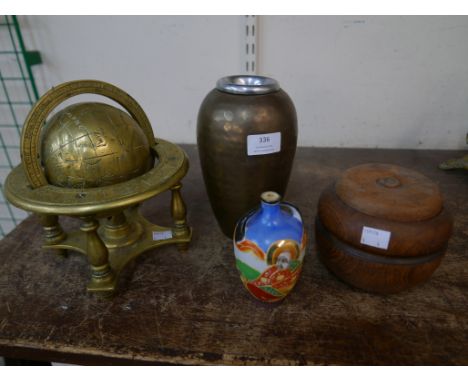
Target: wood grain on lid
{"points": [[389, 192]]}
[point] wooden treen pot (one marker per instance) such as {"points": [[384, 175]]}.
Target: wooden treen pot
{"points": [[382, 228]]}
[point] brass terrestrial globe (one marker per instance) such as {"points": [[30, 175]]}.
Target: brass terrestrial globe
{"points": [[92, 145], [98, 163]]}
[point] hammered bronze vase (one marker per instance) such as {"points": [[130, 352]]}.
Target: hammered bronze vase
{"points": [[247, 137]]}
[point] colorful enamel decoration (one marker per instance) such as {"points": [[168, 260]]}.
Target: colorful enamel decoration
{"points": [[269, 245]]}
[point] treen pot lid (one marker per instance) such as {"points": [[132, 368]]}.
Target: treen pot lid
{"points": [[389, 192]]}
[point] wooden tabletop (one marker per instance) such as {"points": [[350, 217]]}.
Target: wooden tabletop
{"points": [[191, 308]]}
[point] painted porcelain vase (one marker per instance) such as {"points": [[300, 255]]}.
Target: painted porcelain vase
{"points": [[269, 245]]}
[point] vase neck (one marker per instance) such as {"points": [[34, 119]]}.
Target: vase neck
{"points": [[247, 85], [270, 211]]}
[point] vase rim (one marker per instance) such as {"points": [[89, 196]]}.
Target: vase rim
{"points": [[270, 197], [247, 84]]}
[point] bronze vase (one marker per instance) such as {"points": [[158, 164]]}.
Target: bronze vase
{"points": [[247, 137]]}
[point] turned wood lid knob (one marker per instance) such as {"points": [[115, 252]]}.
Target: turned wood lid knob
{"points": [[389, 182]]}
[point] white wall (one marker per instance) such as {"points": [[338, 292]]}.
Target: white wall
{"points": [[167, 64], [396, 82]]}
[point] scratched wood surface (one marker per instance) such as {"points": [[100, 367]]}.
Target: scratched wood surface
{"points": [[190, 308]]}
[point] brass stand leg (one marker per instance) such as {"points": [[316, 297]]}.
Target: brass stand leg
{"points": [[118, 232], [179, 211], [53, 232], [117, 226], [102, 276]]}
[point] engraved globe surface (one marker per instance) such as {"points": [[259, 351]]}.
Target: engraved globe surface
{"points": [[92, 145]]}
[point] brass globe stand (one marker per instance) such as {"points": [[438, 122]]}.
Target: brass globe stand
{"points": [[112, 232]]}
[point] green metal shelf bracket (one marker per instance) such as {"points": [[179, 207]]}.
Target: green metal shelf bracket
{"points": [[31, 57], [18, 92]]}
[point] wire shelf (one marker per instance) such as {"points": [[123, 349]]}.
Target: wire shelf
{"points": [[18, 93]]}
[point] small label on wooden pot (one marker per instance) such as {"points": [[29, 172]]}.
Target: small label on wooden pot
{"points": [[162, 235], [261, 144], [375, 237]]}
